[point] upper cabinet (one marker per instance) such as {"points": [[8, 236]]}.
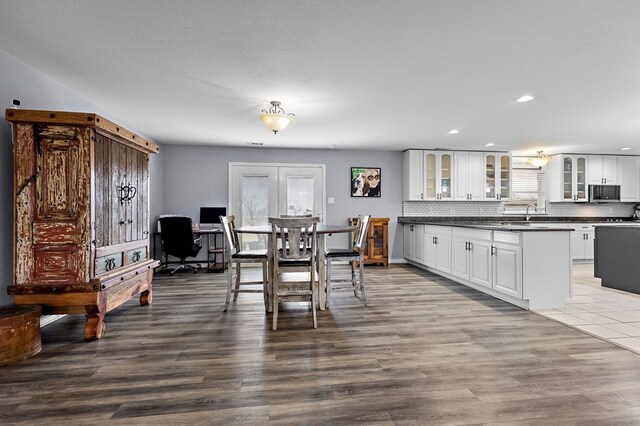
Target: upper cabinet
{"points": [[567, 178], [456, 176], [629, 178], [603, 169], [438, 175], [412, 172], [427, 175], [497, 176], [469, 171]]}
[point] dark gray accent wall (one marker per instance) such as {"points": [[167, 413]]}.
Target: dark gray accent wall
{"points": [[36, 91], [197, 176]]}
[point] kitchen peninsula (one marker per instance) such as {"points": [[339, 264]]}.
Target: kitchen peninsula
{"points": [[526, 264]]}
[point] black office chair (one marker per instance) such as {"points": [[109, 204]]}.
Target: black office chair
{"points": [[178, 240]]}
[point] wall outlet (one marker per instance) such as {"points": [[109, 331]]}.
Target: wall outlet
{"points": [[331, 200]]}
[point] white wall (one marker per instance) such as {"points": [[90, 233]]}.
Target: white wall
{"points": [[37, 91], [196, 176]]}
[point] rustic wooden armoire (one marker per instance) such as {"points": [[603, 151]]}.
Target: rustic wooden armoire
{"points": [[81, 236]]}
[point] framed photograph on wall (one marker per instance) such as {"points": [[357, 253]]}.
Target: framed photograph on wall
{"points": [[366, 182]]}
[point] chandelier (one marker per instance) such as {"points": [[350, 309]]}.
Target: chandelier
{"points": [[540, 160], [274, 118]]}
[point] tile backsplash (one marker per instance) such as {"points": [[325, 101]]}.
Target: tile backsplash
{"points": [[461, 208], [451, 208]]}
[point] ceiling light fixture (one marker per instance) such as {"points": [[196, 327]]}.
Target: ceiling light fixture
{"points": [[540, 160], [274, 118], [490, 144], [525, 98], [454, 132], [625, 149]]}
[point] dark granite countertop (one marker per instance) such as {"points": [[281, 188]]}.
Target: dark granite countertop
{"points": [[495, 226], [514, 218], [514, 222]]}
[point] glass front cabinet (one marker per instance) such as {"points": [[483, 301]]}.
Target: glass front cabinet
{"points": [[438, 175], [497, 177], [377, 249], [567, 178]]}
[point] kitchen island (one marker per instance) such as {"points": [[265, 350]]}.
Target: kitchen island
{"points": [[616, 257], [526, 264]]}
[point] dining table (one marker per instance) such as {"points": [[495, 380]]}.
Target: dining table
{"points": [[322, 231]]}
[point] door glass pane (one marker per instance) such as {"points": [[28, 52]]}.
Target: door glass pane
{"points": [[567, 176], [430, 176], [504, 177], [490, 170], [445, 175], [255, 210], [300, 195], [581, 178]]}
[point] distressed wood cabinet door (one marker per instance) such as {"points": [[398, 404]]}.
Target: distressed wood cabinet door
{"points": [[62, 216]]}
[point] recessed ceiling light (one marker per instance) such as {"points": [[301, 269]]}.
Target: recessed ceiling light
{"points": [[525, 98], [454, 132], [332, 146], [625, 149], [490, 144]]}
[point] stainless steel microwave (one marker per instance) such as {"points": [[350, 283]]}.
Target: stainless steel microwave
{"points": [[604, 193]]}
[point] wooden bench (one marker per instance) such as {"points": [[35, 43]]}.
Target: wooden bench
{"points": [[19, 332]]}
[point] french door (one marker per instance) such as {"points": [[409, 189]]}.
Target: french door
{"points": [[257, 191]]}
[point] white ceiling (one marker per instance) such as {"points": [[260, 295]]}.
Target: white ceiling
{"points": [[360, 74]]}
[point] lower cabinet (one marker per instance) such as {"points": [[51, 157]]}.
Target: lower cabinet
{"points": [[413, 243], [437, 248], [582, 240], [507, 264], [471, 255]]}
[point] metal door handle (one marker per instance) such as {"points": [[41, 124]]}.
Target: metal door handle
{"points": [[493, 248]]}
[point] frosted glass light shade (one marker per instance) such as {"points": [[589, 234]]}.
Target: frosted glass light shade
{"points": [[276, 122], [540, 161]]}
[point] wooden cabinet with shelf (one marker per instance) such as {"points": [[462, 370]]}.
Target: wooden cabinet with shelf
{"points": [[81, 241], [377, 251]]}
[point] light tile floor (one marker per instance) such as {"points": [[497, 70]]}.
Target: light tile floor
{"points": [[608, 314]]}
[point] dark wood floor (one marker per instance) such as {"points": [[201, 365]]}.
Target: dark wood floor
{"points": [[426, 351]]}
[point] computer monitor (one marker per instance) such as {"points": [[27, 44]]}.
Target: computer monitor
{"points": [[212, 214]]}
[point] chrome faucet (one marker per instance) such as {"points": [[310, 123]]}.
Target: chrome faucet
{"points": [[535, 209]]}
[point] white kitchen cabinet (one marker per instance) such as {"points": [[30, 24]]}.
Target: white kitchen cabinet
{"points": [[497, 176], [603, 169], [438, 175], [629, 178], [437, 247], [412, 175], [507, 264], [471, 255], [567, 178], [469, 175], [413, 243], [582, 241]]}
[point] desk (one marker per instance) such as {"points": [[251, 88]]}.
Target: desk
{"points": [[322, 231], [213, 264]]}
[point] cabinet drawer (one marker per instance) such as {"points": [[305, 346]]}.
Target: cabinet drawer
{"points": [[472, 234], [506, 237], [108, 263], [136, 255]]}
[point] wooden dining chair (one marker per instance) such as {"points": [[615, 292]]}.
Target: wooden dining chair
{"points": [[300, 284], [353, 255], [236, 257]]}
